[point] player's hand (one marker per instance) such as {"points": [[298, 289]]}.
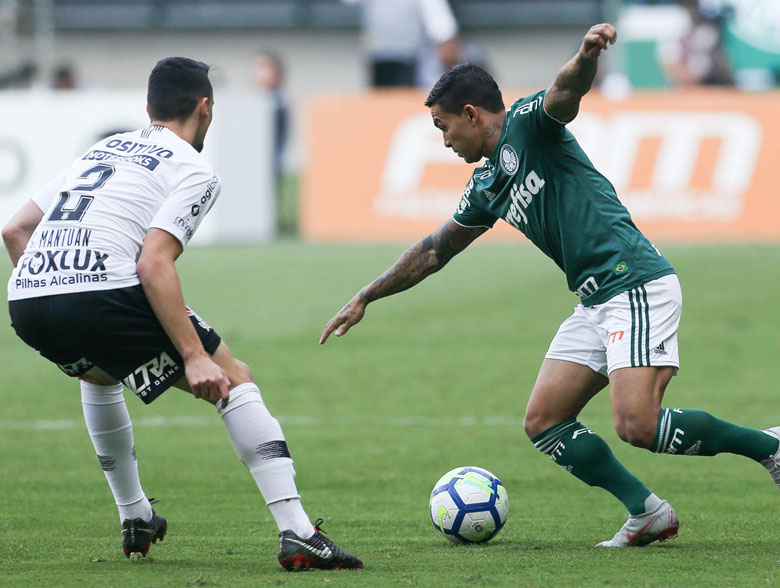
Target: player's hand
{"points": [[206, 379], [599, 37], [345, 318]]}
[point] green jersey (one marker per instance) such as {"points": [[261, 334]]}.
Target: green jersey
{"points": [[540, 181]]}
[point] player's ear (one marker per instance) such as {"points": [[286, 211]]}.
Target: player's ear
{"points": [[203, 106], [470, 113], [149, 112]]}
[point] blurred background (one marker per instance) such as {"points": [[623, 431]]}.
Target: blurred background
{"points": [[320, 131]]}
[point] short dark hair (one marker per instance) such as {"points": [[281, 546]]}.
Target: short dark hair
{"points": [[466, 84], [175, 86]]}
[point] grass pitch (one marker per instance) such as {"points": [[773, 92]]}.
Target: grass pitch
{"points": [[433, 378]]}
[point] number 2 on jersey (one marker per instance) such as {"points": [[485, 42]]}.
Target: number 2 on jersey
{"points": [[77, 212]]}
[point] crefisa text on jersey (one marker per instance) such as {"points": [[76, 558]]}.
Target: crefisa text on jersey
{"points": [[522, 195]]}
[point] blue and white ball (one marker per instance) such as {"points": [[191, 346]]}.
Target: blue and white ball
{"points": [[469, 505]]}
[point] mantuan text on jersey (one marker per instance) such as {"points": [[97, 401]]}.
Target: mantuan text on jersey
{"points": [[70, 237], [522, 195]]}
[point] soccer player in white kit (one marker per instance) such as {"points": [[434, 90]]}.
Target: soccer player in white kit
{"points": [[95, 290]]}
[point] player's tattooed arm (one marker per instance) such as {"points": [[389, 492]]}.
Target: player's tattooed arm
{"points": [[425, 257], [574, 79]]}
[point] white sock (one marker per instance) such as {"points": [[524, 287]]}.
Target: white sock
{"points": [[652, 502], [259, 442], [111, 431]]}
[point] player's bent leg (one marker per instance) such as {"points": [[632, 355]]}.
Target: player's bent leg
{"points": [[237, 371], [639, 419], [561, 391], [636, 394], [111, 431], [686, 431], [259, 442]]}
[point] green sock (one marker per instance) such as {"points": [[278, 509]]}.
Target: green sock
{"points": [[584, 454], [695, 432]]}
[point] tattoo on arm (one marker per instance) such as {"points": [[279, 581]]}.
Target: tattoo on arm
{"points": [[572, 82], [425, 257], [577, 75]]}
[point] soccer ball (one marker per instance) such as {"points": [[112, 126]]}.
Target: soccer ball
{"points": [[469, 505]]}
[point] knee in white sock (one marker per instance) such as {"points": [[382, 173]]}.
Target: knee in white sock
{"points": [[239, 396], [259, 441]]}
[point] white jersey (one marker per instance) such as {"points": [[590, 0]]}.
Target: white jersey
{"points": [[97, 214]]}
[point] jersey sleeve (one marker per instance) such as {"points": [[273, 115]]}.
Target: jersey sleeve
{"points": [[529, 114], [184, 209], [45, 195], [468, 213]]}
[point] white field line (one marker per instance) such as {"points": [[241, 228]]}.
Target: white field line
{"points": [[196, 421]]}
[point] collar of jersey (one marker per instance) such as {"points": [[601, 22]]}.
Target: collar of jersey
{"points": [[169, 135]]}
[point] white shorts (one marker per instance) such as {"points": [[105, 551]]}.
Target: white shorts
{"points": [[635, 328]]}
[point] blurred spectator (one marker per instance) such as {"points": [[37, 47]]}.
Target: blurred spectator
{"points": [[20, 77], [269, 76], [698, 57], [400, 34], [64, 77]]}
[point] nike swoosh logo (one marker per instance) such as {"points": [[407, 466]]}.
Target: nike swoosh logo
{"points": [[443, 512], [325, 552], [133, 532], [641, 531]]}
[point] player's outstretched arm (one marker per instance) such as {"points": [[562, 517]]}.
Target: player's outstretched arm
{"points": [[425, 257], [573, 81], [162, 287], [18, 230]]}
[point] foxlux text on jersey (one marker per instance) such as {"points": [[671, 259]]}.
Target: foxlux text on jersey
{"points": [[89, 262]]}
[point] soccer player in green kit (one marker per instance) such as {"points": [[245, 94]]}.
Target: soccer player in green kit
{"points": [[623, 333]]}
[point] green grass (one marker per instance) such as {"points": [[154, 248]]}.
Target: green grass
{"points": [[432, 379]]}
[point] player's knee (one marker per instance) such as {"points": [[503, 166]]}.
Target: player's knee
{"points": [[636, 430], [239, 373], [535, 423], [244, 370]]}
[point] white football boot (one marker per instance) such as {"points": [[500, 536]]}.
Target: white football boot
{"points": [[772, 463], [659, 525]]}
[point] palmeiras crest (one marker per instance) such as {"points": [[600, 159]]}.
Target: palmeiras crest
{"points": [[507, 159]]}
